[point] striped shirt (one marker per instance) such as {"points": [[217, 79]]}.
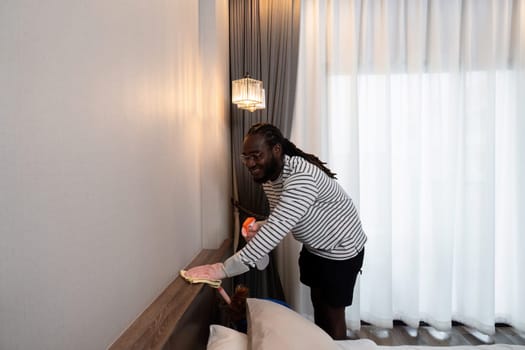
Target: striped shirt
{"points": [[314, 207]]}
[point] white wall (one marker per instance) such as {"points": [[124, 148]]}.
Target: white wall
{"points": [[215, 53], [112, 164]]}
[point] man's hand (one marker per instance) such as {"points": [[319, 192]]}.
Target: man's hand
{"points": [[209, 272], [250, 227]]}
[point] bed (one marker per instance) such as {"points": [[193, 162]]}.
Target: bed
{"points": [[188, 317], [273, 326]]}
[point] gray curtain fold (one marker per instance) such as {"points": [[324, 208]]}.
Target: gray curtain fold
{"points": [[264, 42]]}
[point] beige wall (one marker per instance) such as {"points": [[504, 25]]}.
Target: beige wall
{"points": [[114, 165]]}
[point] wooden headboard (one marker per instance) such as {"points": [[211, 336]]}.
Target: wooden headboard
{"points": [[180, 316]]}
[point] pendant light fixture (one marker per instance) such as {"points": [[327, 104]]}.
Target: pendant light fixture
{"points": [[247, 92]]}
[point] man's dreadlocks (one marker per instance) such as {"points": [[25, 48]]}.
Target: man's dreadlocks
{"points": [[272, 135]]}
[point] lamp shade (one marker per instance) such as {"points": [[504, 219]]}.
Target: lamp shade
{"points": [[247, 93]]}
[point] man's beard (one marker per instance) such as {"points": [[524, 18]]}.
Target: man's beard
{"points": [[269, 171]]}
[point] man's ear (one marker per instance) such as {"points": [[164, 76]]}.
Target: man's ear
{"points": [[277, 150]]}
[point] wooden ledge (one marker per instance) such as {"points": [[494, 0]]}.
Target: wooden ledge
{"points": [[154, 327]]}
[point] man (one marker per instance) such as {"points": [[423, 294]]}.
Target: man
{"points": [[306, 200]]}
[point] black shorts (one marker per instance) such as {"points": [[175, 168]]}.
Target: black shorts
{"points": [[335, 278]]}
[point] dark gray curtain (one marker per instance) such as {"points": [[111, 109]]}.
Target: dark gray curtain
{"points": [[264, 42]]}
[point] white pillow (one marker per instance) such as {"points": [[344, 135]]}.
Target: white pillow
{"points": [[273, 326], [224, 338]]}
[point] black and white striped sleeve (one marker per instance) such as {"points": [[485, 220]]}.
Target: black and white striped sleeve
{"points": [[298, 195]]}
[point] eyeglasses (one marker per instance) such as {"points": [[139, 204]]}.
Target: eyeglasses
{"points": [[245, 158]]}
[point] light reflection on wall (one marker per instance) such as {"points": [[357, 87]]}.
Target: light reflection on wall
{"points": [[114, 171]]}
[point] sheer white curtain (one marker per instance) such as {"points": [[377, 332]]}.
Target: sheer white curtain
{"points": [[418, 106]]}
